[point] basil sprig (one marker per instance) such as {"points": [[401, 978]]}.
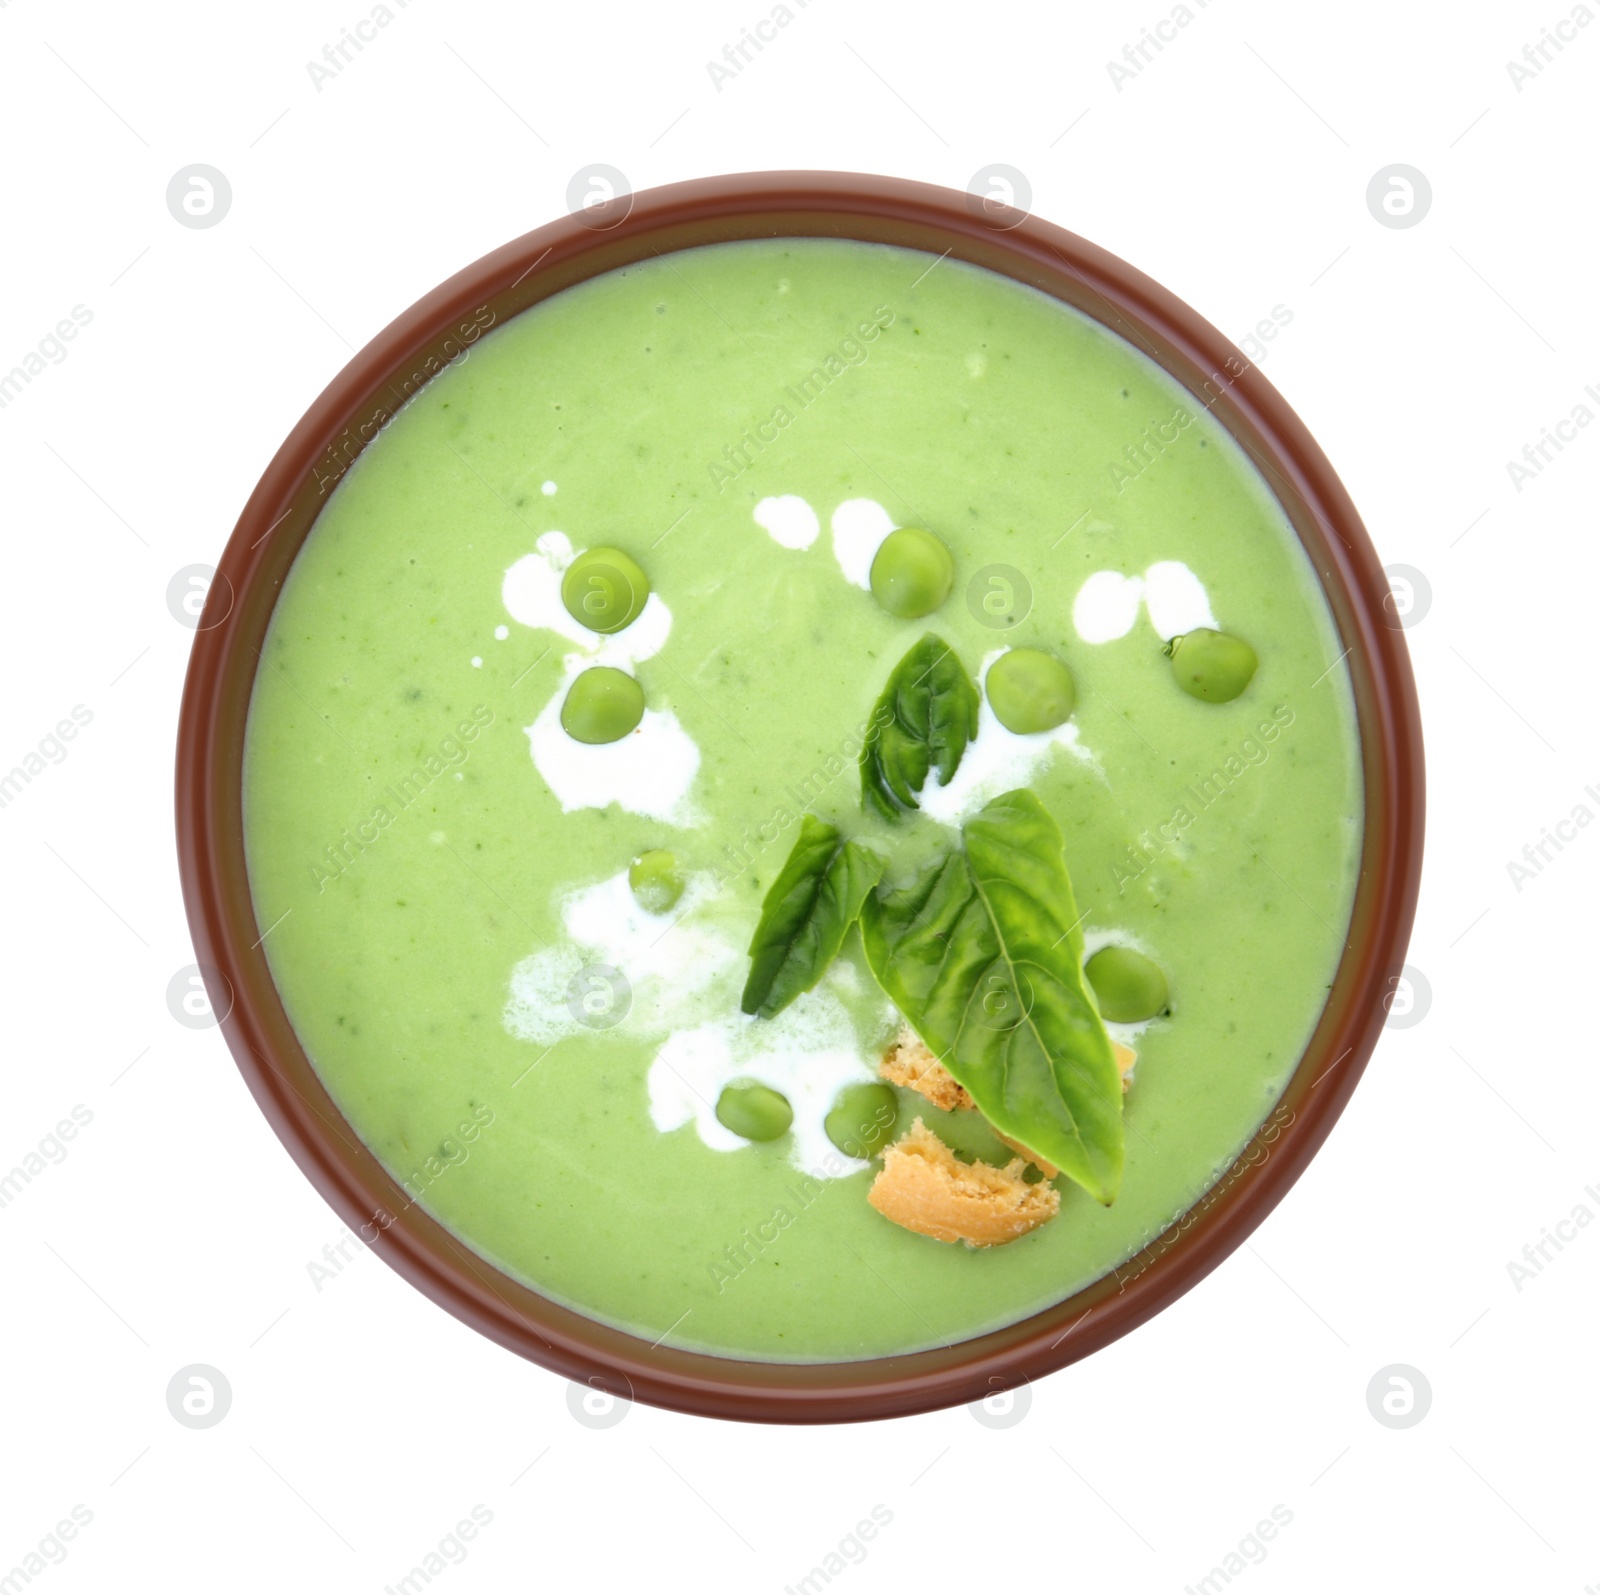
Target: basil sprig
{"points": [[982, 952], [926, 717], [983, 955], [807, 911]]}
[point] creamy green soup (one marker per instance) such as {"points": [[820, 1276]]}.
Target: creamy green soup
{"points": [[444, 870]]}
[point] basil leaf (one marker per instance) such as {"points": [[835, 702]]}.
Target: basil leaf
{"points": [[983, 955], [815, 900], [926, 717]]}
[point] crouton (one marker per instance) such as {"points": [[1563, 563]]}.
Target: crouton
{"points": [[909, 1063], [924, 1188]]}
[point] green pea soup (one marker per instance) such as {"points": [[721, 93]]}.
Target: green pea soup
{"points": [[535, 1048]]}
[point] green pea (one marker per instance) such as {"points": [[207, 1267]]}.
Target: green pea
{"points": [[1030, 690], [912, 573], [862, 1119], [604, 589], [756, 1112], [1211, 665], [603, 705], [656, 881], [1129, 986]]}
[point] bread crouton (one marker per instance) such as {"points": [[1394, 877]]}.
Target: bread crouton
{"points": [[909, 1063], [923, 1187], [1126, 1058]]}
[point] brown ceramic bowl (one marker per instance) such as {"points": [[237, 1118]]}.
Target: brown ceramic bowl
{"points": [[282, 511]]}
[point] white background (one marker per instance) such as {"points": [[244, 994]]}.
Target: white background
{"points": [[365, 1422]]}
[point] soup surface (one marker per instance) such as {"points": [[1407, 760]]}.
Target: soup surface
{"points": [[443, 871]]}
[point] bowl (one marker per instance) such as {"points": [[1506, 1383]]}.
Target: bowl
{"points": [[354, 409]]}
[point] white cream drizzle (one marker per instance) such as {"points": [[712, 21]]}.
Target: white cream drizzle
{"points": [[1174, 600], [678, 968], [788, 520], [996, 761], [651, 771], [859, 528]]}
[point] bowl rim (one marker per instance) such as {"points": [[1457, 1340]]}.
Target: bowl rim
{"points": [[439, 329]]}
